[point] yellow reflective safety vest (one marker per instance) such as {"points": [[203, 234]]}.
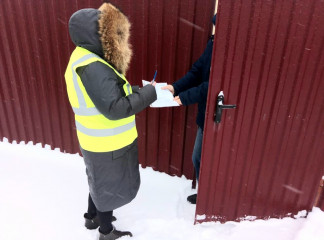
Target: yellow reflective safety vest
{"points": [[95, 132]]}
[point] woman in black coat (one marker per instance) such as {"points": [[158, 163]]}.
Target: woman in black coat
{"points": [[113, 176]]}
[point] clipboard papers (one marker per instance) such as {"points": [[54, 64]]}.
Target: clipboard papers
{"points": [[164, 97]]}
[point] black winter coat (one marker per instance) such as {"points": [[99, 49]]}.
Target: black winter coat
{"points": [[193, 87], [113, 177]]}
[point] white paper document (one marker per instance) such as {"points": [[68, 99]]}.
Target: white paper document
{"points": [[164, 97]]}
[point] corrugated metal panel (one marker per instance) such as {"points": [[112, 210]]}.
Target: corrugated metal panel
{"points": [[35, 50], [33, 57], [266, 157]]}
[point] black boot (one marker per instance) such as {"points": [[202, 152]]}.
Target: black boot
{"points": [[93, 223], [192, 199], [114, 234]]}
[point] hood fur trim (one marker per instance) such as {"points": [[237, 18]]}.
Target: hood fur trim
{"points": [[114, 35]]}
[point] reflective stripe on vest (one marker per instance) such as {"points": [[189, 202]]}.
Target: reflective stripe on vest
{"points": [[95, 132], [86, 111], [82, 110], [128, 88], [104, 132]]}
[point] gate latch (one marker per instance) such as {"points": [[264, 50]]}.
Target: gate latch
{"points": [[220, 106]]}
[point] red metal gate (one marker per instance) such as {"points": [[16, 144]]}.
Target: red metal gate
{"points": [[266, 157]]}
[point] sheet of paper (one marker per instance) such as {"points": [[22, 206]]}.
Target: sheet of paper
{"points": [[164, 97]]}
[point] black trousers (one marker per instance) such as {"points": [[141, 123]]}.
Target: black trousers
{"points": [[104, 217]]}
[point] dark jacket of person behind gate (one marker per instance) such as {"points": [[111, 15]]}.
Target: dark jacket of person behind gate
{"points": [[193, 87]]}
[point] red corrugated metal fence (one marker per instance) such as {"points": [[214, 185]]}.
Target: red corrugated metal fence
{"points": [[35, 49]]}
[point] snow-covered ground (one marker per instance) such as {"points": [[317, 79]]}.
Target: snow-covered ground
{"points": [[43, 195]]}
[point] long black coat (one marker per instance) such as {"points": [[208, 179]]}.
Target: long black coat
{"points": [[193, 87], [113, 177]]}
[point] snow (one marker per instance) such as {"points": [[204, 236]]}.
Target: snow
{"points": [[44, 195]]}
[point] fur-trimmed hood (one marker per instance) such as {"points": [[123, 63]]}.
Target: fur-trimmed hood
{"points": [[114, 34], [105, 32]]}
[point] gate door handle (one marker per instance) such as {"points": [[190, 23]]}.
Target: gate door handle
{"points": [[220, 106]]}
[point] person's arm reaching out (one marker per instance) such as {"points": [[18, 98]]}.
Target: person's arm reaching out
{"points": [[106, 94]]}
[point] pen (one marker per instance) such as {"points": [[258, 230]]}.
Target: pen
{"points": [[154, 76]]}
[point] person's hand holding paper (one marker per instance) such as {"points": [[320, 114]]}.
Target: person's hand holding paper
{"points": [[164, 97], [178, 100], [171, 89]]}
